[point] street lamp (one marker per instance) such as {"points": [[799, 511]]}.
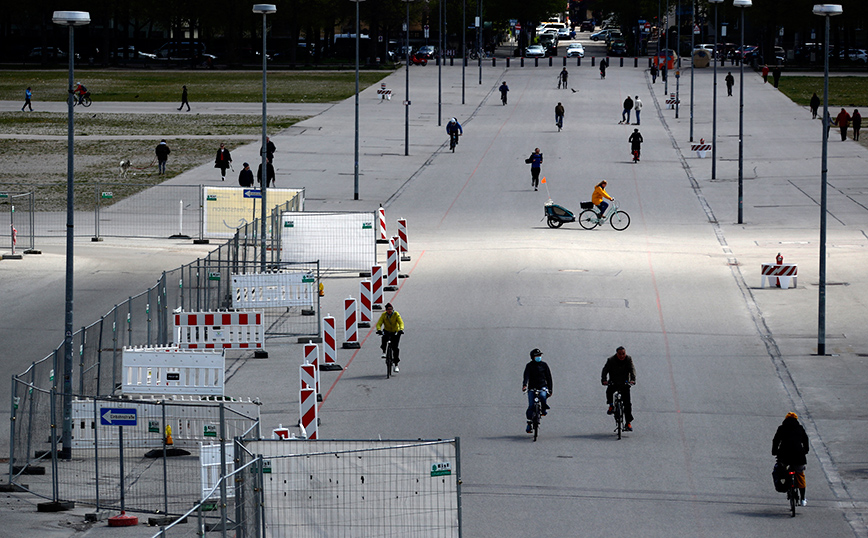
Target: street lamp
{"points": [[407, 82], [714, 106], [70, 19], [356, 155], [827, 11], [743, 4], [264, 9]]}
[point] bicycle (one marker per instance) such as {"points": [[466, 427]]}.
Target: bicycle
{"points": [[792, 491], [390, 364], [589, 219], [536, 416], [618, 404], [84, 100], [453, 141]]}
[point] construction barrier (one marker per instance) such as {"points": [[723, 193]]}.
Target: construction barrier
{"points": [[339, 241], [365, 313], [672, 101], [209, 459], [311, 363], [780, 275], [193, 421], [392, 270], [700, 148], [225, 209], [402, 240], [216, 330], [381, 226], [351, 330], [377, 287], [282, 289], [329, 345], [307, 411], [170, 370]]}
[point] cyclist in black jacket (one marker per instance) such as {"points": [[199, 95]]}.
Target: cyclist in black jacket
{"points": [[621, 376], [790, 445], [536, 376]]}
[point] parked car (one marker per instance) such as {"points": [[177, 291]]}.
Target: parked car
{"points": [[50, 52], [426, 51], [564, 33], [618, 47], [535, 51], [854, 55], [576, 50], [587, 26], [614, 35], [183, 50], [602, 34], [130, 53]]}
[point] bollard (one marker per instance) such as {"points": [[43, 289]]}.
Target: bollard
{"points": [[578, 61], [308, 413], [329, 345], [565, 61], [377, 287], [311, 357], [507, 62], [391, 271], [536, 62], [622, 62], [593, 61], [307, 376], [493, 61], [382, 225], [365, 313], [351, 332], [649, 63], [550, 61], [402, 240], [522, 61]]}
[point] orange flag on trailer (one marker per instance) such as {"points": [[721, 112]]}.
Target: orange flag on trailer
{"points": [[543, 179]]}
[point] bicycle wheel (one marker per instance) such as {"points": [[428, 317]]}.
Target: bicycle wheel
{"points": [[86, 101], [388, 360], [588, 219], [619, 220], [791, 495], [619, 419], [536, 418], [554, 222]]}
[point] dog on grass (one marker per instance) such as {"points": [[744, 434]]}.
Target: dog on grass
{"points": [[124, 167]]}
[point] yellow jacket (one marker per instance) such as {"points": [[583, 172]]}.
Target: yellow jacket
{"points": [[599, 194], [392, 323]]}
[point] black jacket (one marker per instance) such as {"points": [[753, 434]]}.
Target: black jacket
{"points": [[245, 178], [619, 371], [790, 444], [537, 375]]}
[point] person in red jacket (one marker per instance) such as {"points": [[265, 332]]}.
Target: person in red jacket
{"points": [[843, 121]]}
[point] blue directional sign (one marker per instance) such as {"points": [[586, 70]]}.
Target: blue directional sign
{"points": [[252, 193], [117, 417]]}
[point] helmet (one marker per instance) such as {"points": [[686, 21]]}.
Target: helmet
{"points": [[453, 120], [535, 352]]}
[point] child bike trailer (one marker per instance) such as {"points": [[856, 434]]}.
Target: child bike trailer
{"points": [[556, 215]]}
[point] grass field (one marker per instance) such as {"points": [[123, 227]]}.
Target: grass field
{"points": [[847, 92], [203, 86]]}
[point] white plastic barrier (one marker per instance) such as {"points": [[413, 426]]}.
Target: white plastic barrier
{"points": [[192, 419], [216, 330], [780, 274], [262, 290], [209, 458], [170, 370]]}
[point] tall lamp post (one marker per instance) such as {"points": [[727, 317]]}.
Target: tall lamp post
{"points": [[70, 19], [407, 81], [264, 9], [714, 106], [743, 4], [356, 155], [828, 11]]}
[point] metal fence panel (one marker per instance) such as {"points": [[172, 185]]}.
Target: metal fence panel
{"points": [[340, 241]]}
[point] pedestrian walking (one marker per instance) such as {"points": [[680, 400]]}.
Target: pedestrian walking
{"points": [[269, 171], [559, 116], [730, 81], [664, 71], [184, 100], [843, 121], [765, 74], [535, 161], [162, 152], [28, 95], [603, 65], [504, 89], [815, 104], [245, 177], [637, 107], [776, 74], [269, 149], [635, 141], [829, 123], [625, 114], [562, 78], [653, 73], [857, 123], [223, 161]]}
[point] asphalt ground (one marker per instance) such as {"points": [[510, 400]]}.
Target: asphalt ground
{"points": [[720, 361]]}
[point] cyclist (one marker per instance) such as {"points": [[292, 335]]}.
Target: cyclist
{"points": [[80, 90], [453, 127], [598, 195], [503, 90], [390, 326], [635, 141], [537, 376], [619, 374], [559, 116], [790, 445]]}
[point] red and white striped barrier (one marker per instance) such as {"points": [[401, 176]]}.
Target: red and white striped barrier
{"points": [[219, 330], [672, 101], [381, 235], [365, 313], [329, 345], [391, 270], [700, 148], [385, 94], [377, 287], [780, 275], [351, 325], [307, 411], [307, 376], [403, 245], [311, 356]]}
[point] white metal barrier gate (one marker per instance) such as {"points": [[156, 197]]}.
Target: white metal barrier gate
{"points": [[340, 241], [283, 289]]}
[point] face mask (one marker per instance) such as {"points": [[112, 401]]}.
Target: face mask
{"points": [[537, 359]]}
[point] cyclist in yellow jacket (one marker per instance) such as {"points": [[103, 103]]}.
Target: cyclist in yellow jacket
{"points": [[390, 326], [599, 194]]}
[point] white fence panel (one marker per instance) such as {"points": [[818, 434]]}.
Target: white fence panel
{"points": [[170, 370], [209, 458], [284, 289], [340, 241]]}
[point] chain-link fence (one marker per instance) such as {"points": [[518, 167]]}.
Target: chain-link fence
{"points": [[16, 222]]}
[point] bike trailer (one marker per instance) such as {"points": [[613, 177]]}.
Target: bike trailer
{"points": [[780, 476], [560, 212]]}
